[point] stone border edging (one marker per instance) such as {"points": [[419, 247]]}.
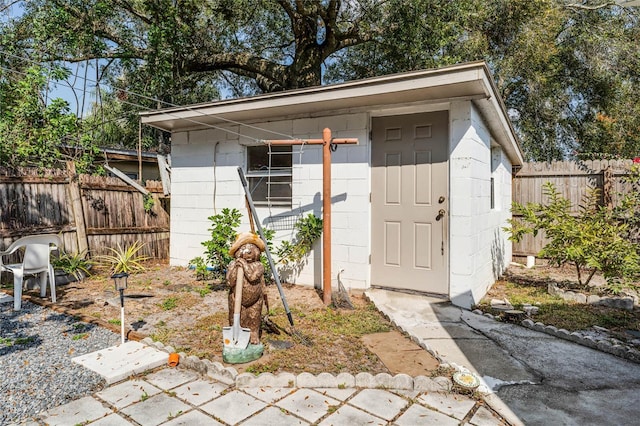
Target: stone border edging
{"points": [[620, 302], [622, 351], [230, 376]]}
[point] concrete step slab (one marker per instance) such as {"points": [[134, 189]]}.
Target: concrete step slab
{"points": [[118, 362]]}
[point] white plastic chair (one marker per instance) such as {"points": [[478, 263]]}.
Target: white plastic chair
{"points": [[34, 262]]}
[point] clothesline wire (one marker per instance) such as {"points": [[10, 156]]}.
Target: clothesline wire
{"points": [[170, 104], [191, 120]]}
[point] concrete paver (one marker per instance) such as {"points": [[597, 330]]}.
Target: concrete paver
{"points": [[112, 420], [308, 404], [268, 395], [193, 418], [79, 411], [273, 416], [419, 415], [233, 407], [454, 405], [155, 410], [170, 378], [126, 393], [482, 417], [199, 391], [337, 393], [347, 415], [379, 402]]}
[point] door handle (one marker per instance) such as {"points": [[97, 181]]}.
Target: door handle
{"points": [[441, 214]]}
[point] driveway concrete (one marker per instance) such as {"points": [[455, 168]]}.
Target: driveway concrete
{"points": [[532, 377]]}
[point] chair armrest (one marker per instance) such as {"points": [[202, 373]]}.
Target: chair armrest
{"points": [[2, 254], [9, 251]]}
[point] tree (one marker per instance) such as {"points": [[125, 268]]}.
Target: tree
{"points": [[567, 72], [32, 129], [276, 44], [181, 51]]}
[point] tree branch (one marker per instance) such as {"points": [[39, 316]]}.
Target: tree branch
{"points": [[585, 7], [248, 63], [287, 8], [7, 6], [129, 8]]}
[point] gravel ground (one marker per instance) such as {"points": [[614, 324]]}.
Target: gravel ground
{"points": [[36, 348]]}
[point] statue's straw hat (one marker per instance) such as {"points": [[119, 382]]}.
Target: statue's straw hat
{"points": [[246, 238]]}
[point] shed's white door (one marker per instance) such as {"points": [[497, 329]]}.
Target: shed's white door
{"points": [[409, 202]]}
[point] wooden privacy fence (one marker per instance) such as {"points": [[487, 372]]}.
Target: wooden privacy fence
{"points": [[572, 180], [89, 212]]}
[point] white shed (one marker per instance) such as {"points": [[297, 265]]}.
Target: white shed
{"points": [[418, 205]]}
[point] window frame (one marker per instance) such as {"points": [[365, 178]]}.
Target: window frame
{"points": [[258, 174]]}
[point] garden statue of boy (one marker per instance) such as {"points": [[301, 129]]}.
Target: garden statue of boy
{"points": [[246, 252]]}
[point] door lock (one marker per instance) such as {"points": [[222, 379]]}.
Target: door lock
{"points": [[441, 214], [441, 200]]}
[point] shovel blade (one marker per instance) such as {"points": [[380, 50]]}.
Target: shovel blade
{"points": [[241, 341]]}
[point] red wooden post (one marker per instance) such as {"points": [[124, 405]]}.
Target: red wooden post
{"points": [[326, 142], [326, 216]]}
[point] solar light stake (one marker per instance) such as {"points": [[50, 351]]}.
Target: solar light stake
{"points": [[120, 282]]}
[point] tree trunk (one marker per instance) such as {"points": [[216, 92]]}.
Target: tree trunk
{"points": [[305, 71]]}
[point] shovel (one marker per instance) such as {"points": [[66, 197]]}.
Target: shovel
{"points": [[235, 336]]}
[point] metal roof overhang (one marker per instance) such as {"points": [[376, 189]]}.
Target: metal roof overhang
{"points": [[471, 81]]}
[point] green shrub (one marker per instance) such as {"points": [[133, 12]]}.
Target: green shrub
{"points": [[308, 230], [125, 259], [592, 240], [223, 234], [75, 264]]}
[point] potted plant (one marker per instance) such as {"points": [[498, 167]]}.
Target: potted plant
{"points": [[71, 267]]}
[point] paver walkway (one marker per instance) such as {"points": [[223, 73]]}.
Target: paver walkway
{"points": [[182, 397]]}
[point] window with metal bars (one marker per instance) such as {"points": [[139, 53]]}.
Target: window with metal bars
{"points": [[269, 174]]}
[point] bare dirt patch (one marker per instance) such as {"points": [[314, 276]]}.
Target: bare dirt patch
{"points": [[170, 305], [398, 355]]}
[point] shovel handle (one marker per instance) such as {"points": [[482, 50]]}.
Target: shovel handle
{"points": [[238, 302]]}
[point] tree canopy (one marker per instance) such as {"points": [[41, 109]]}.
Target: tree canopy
{"points": [[568, 72]]}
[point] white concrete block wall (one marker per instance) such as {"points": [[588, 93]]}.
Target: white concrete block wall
{"points": [[350, 187], [479, 248], [193, 187]]}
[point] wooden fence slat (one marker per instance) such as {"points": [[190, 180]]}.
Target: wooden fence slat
{"points": [[77, 208], [113, 213], [572, 180]]}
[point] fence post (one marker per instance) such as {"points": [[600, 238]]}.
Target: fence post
{"points": [[76, 207]]}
